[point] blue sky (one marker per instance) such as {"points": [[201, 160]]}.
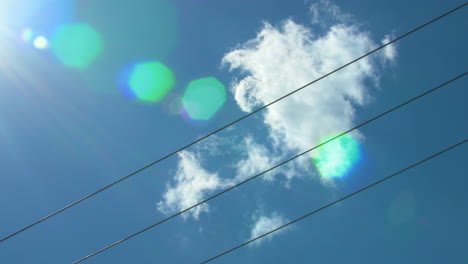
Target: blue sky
{"points": [[67, 131]]}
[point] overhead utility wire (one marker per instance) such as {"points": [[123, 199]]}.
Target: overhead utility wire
{"points": [[230, 124], [337, 201], [268, 170]]}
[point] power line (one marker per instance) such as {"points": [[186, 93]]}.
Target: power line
{"points": [[337, 201], [268, 170], [229, 124]]}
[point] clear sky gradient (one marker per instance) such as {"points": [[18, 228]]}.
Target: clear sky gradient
{"points": [[91, 91]]}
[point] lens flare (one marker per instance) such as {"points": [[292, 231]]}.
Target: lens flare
{"points": [[40, 42], [39, 15], [203, 98], [27, 35], [148, 81], [402, 208], [172, 104], [336, 158], [132, 33], [76, 45]]}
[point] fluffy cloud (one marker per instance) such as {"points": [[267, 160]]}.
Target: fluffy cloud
{"points": [[324, 12], [257, 159], [192, 183], [389, 51], [281, 59], [277, 61], [264, 224]]}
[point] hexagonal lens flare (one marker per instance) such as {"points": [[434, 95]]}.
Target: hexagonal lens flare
{"points": [[336, 158], [148, 81], [203, 98], [76, 45]]}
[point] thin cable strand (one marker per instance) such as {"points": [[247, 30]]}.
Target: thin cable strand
{"points": [[337, 201], [228, 125], [270, 169]]}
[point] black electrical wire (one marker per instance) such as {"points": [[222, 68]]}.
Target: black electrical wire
{"points": [[228, 125], [270, 169], [337, 201]]}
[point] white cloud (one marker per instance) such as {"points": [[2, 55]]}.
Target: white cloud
{"points": [[389, 52], [323, 12], [211, 145], [281, 59], [278, 60], [264, 224], [257, 160], [192, 184]]}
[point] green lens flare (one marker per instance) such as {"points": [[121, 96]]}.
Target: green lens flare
{"points": [[336, 158], [27, 35], [76, 45], [203, 98], [151, 81]]}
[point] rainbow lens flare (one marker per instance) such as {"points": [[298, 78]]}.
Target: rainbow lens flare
{"points": [[76, 45], [149, 81], [27, 35], [203, 98], [336, 158], [403, 207]]}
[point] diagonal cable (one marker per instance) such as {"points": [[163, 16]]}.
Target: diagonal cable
{"points": [[337, 201], [270, 169], [228, 125]]}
